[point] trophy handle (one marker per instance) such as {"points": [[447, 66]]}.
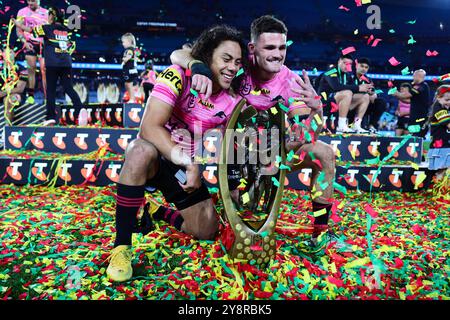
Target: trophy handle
{"points": [[224, 188]]}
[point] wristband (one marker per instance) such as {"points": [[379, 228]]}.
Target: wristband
{"points": [[198, 67], [190, 63]]}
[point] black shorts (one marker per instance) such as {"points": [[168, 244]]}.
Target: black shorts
{"points": [[166, 182], [130, 76], [148, 86], [402, 123], [36, 50], [423, 129]]}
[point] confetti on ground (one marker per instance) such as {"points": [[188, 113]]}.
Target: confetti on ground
{"points": [[55, 242]]}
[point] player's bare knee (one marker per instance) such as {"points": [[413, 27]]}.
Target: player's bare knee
{"points": [[209, 225], [140, 155], [327, 155]]}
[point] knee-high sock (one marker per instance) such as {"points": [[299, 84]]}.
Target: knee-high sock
{"points": [[320, 221], [129, 201], [172, 217]]}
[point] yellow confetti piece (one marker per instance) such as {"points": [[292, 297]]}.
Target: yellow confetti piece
{"points": [[274, 110], [268, 287], [4, 276], [173, 284], [414, 165], [385, 249], [333, 268], [320, 213], [306, 276], [245, 198], [106, 283], [324, 262], [357, 263], [316, 194], [318, 120], [97, 295], [324, 95], [421, 178]]}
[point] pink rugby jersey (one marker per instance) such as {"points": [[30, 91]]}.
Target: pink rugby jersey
{"points": [[404, 107], [189, 112], [33, 19], [150, 77], [263, 95]]}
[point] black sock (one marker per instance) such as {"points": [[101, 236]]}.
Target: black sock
{"points": [[323, 218], [320, 222], [172, 217], [129, 201]]}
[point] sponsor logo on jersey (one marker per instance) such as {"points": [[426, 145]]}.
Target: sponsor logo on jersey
{"points": [[172, 78]]}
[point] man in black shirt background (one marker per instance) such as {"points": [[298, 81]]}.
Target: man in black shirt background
{"points": [[338, 84], [377, 105], [420, 104]]}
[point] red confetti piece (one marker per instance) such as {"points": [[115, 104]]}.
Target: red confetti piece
{"points": [[334, 107], [335, 281], [348, 50], [398, 263], [375, 42], [394, 62], [438, 143], [370, 211], [433, 53]]}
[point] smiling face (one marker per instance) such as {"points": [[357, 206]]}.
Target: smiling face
{"points": [[226, 62], [269, 51], [445, 100]]}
